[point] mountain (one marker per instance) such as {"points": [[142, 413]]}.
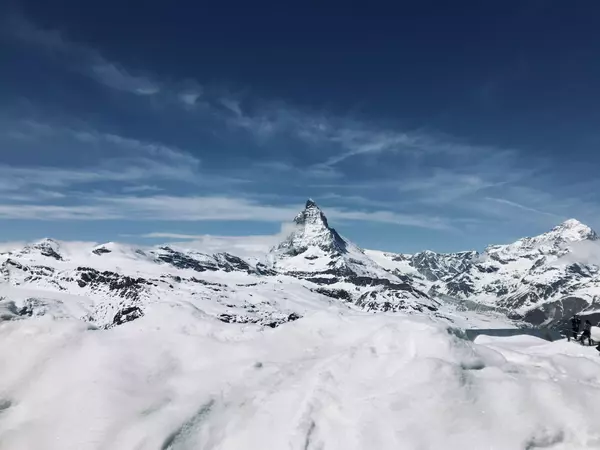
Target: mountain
{"points": [[541, 279], [110, 284], [315, 252], [424, 268]]}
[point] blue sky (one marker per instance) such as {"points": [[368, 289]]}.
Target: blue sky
{"points": [[426, 125]]}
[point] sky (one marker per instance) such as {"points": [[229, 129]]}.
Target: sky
{"points": [[419, 125]]}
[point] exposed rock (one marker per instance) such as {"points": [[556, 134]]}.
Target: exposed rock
{"points": [[127, 314]]}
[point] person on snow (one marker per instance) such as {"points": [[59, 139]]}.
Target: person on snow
{"points": [[587, 333], [575, 324]]}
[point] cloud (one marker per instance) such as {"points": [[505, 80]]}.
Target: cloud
{"points": [[344, 137], [244, 246], [334, 138], [132, 160], [232, 105], [198, 209], [519, 206], [117, 77], [141, 188], [584, 252], [10, 246], [80, 57], [56, 212], [189, 98], [241, 209], [18, 178]]}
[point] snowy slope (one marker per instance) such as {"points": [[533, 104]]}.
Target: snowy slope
{"points": [[177, 379]]}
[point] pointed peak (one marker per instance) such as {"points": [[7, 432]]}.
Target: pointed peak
{"points": [[311, 215], [573, 230], [310, 203], [571, 223], [312, 230]]}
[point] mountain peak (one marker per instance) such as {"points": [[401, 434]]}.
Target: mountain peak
{"points": [[312, 229], [312, 215], [571, 223], [574, 230], [310, 203]]}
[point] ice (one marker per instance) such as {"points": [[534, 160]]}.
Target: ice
{"points": [[178, 379]]}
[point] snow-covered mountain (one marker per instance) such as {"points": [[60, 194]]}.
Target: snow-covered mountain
{"points": [[315, 252], [109, 284], [542, 279]]}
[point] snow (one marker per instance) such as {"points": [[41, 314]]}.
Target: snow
{"points": [[178, 379], [393, 261]]}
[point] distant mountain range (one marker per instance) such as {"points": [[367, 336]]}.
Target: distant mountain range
{"points": [[541, 280]]}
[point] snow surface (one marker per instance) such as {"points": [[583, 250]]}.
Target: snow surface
{"points": [[178, 379]]}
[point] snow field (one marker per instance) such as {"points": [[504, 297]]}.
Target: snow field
{"points": [[177, 379]]}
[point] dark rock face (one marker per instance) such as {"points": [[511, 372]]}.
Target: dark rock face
{"points": [[262, 269], [101, 251], [183, 261], [556, 314], [230, 263], [272, 321], [124, 286], [339, 294], [127, 314], [220, 261]]}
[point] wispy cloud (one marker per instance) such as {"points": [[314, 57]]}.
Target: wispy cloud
{"points": [[189, 98], [520, 206], [82, 58], [57, 212], [116, 77], [335, 138], [244, 246], [197, 208], [141, 188], [132, 160], [340, 137]]}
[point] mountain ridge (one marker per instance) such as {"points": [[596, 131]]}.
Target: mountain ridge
{"points": [[537, 279]]}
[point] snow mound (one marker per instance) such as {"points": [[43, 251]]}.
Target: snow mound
{"points": [[175, 379]]}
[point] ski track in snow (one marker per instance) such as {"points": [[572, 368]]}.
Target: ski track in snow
{"points": [[173, 381]]}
